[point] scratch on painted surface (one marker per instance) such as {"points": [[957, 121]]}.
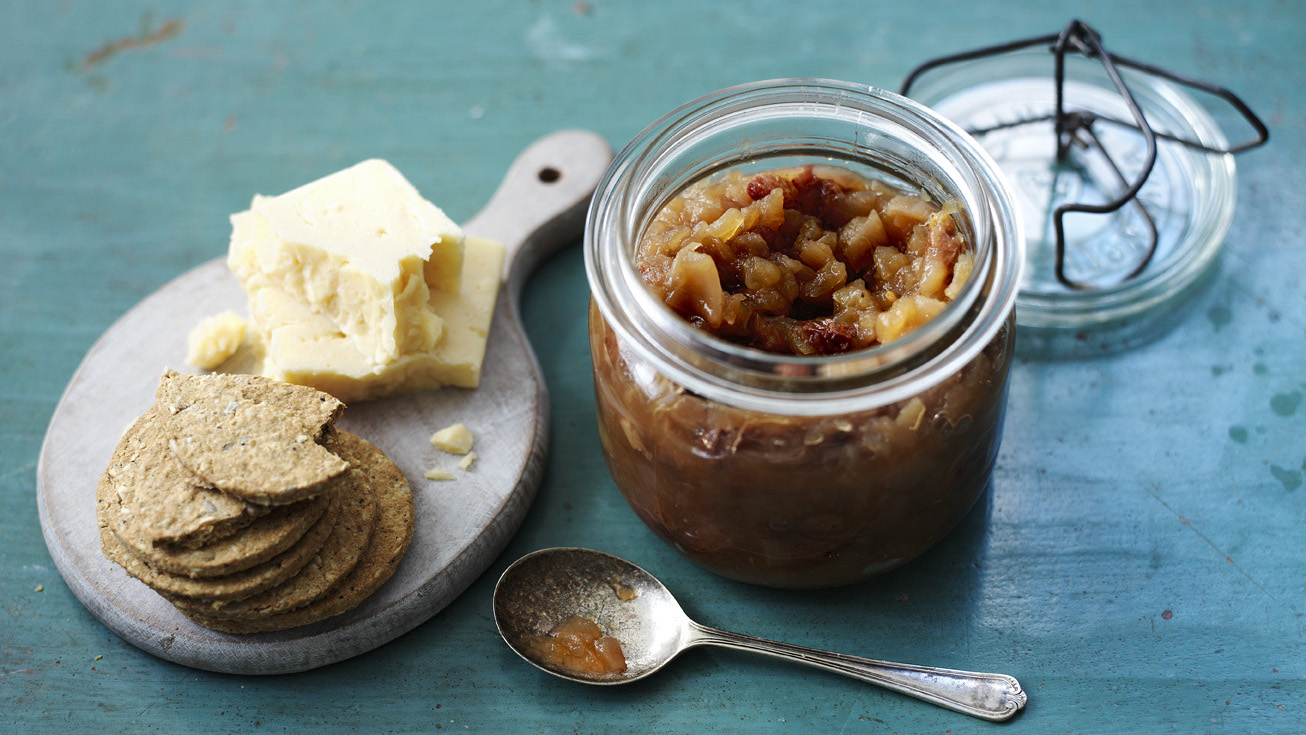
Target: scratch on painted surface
{"points": [[1155, 493], [1272, 313], [21, 470], [847, 720], [146, 38]]}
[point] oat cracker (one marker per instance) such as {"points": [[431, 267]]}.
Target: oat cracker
{"points": [[250, 436], [390, 539], [236, 586], [157, 500], [254, 544], [341, 552]]}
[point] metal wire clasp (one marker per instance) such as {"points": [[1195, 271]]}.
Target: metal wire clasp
{"points": [[1075, 127]]}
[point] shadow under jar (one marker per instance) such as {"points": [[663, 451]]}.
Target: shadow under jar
{"points": [[801, 470]]}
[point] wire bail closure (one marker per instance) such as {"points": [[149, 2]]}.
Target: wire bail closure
{"points": [[1075, 127]]}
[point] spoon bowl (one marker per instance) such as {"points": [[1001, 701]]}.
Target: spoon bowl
{"points": [[546, 587]]}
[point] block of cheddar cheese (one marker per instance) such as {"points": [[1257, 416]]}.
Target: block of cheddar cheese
{"points": [[359, 247], [359, 287], [306, 349]]}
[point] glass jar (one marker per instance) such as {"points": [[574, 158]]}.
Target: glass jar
{"points": [[795, 471]]}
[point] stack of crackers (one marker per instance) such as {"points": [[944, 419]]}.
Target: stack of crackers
{"points": [[236, 498]]}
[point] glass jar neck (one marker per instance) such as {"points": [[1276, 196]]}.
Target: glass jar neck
{"points": [[888, 137]]}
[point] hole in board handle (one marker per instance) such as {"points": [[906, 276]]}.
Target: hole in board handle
{"points": [[549, 174]]}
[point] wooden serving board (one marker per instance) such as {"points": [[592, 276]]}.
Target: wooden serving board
{"points": [[461, 525]]}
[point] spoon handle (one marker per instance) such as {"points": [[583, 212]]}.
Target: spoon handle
{"points": [[987, 696]]}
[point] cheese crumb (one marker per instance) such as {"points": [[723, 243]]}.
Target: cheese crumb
{"points": [[214, 340], [456, 439], [467, 461], [436, 473]]}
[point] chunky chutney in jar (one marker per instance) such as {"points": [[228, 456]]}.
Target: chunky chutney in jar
{"points": [[800, 368], [813, 260]]}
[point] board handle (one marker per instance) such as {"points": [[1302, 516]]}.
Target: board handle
{"points": [[540, 205]]}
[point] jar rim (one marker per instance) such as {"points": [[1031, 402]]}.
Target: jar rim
{"points": [[781, 383]]}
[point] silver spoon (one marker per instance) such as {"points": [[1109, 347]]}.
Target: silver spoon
{"points": [[546, 587]]}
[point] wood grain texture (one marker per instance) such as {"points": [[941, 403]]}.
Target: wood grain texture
{"points": [[1138, 564]]}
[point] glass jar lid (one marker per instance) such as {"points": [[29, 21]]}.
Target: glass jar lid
{"points": [[1104, 268]]}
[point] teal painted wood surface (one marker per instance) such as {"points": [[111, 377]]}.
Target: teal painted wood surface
{"points": [[1140, 564]]}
